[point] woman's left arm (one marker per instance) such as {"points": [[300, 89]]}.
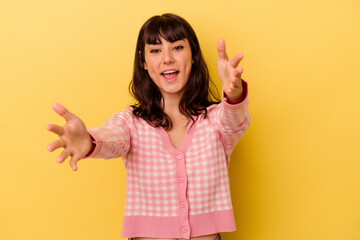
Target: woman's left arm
{"points": [[232, 117]]}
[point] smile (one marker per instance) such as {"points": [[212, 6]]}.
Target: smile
{"points": [[170, 75]]}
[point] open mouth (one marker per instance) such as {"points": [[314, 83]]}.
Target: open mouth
{"points": [[170, 75]]}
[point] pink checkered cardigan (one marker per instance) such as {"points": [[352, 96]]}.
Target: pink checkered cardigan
{"points": [[175, 193]]}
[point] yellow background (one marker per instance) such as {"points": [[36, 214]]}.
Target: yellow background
{"points": [[294, 176]]}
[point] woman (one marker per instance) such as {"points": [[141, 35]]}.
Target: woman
{"points": [[175, 142]]}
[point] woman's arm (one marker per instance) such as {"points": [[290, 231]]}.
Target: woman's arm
{"points": [[113, 139], [232, 120], [73, 137], [110, 141], [232, 117]]}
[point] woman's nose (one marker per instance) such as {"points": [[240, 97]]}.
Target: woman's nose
{"points": [[168, 57]]}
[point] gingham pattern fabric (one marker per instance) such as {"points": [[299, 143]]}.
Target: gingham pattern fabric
{"points": [[172, 186]]}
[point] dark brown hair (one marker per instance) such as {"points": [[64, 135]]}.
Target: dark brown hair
{"points": [[197, 93]]}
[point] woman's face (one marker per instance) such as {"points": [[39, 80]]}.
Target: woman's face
{"points": [[169, 65]]}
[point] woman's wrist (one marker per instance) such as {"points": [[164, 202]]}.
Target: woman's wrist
{"points": [[92, 145], [236, 99]]}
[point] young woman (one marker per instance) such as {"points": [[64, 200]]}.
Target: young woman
{"points": [[175, 142]]}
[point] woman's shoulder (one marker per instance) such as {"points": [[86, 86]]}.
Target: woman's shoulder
{"points": [[126, 115], [129, 114], [213, 108], [210, 110]]}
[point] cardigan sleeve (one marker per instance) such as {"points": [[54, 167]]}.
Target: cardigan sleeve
{"points": [[232, 121], [113, 139]]}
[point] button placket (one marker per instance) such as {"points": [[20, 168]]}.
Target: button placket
{"points": [[183, 208]]}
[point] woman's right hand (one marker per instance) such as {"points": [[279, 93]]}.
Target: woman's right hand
{"points": [[73, 137]]}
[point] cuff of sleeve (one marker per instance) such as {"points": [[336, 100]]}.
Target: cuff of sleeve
{"points": [[97, 147], [244, 101]]}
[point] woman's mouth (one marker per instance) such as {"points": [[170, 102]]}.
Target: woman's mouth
{"points": [[170, 75]]}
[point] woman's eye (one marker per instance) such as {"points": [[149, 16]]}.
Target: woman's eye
{"points": [[154, 50], [178, 47]]}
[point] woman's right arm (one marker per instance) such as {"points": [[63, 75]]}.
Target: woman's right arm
{"points": [[113, 139], [73, 137], [110, 141]]}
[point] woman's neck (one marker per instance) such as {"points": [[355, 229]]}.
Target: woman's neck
{"points": [[171, 108]]}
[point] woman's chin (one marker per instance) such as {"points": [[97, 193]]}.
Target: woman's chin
{"points": [[172, 91]]}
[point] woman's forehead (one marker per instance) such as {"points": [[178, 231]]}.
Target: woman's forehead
{"points": [[162, 40]]}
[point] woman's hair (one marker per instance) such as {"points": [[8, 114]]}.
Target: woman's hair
{"points": [[197, 93]]}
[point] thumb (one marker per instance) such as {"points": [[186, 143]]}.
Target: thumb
{"points": [[222, 50]]}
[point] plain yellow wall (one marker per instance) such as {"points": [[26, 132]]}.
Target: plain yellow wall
{"points": [[294, 176]]}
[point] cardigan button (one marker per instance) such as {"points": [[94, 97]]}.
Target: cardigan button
{"points": [[179, 156], [183, 205], [185, 230], [181, 180]]}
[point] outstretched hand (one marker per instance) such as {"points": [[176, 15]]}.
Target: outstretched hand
{"points": [[73, 137], [230, 73]]}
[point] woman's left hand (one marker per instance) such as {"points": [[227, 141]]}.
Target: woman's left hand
{"points": [[230, 73]]}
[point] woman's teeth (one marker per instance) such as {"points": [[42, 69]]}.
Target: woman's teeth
{"points": [[170, 75], [169, 72]]}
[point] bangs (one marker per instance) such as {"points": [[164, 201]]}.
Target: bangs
{"points": [[167, 28]]}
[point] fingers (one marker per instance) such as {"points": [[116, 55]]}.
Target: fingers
{"points": [[63, 155], [236, 59], [62, 111], [55, 145], [55, 129], [73, 162], [236, 75], [222, 50], [238, 71], [235, 80]]}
